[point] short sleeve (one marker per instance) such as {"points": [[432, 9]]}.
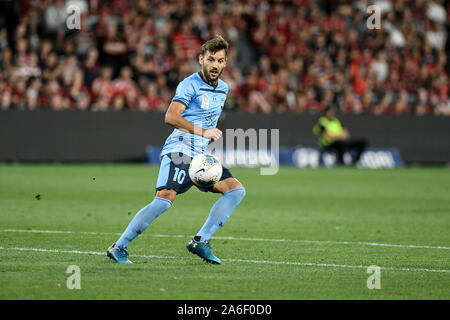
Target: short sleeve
{"points": [[184, 93], [227, 88]]}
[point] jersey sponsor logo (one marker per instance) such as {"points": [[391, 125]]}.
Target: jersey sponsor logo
{"points": [[205, 102]]}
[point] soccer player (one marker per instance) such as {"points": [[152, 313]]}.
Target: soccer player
{"points": [[194, 112]]}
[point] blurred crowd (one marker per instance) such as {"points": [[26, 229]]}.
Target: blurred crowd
{"points": [[285, 56]]}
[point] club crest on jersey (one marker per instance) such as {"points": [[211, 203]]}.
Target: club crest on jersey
{"points": [[205, 101]]}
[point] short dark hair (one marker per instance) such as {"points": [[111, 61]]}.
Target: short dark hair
{"points": [[214, 45]]}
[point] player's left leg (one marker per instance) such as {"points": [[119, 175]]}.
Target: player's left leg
{"points": [[232, 194]]}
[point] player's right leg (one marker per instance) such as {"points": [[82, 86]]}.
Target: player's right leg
{"points": [[162, 201]]}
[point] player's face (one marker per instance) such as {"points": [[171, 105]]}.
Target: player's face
{"points": [[213, 65]]}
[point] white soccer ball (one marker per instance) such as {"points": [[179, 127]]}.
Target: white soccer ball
{"points": [[205, 170]]}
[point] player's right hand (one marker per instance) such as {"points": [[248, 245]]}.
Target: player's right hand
{"points": [[213, 134]]}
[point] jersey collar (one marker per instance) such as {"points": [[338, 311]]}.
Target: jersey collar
{"points": [[201, 77]]}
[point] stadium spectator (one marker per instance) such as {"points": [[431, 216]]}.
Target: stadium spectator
{"points": [[32, 93], [113, 47], [101, 104], [154, 100], [6, 98], [91, 67], [334, 137]]}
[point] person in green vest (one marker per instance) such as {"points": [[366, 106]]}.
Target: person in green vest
{"points": [[334, 137]]}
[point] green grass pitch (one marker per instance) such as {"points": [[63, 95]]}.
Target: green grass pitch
{"points": [[299, 234]]}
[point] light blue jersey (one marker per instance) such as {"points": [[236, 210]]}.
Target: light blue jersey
{"points": [[204, 104]]}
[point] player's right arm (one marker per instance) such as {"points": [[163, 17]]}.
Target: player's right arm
{"points": [[174, 118]]}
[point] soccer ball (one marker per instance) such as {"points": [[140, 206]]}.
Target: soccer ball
{"points": [[205, 170]]}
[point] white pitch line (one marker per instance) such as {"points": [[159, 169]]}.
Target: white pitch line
{"points": [[361, 243], [340, 242], [305, 264], [79, 252]]}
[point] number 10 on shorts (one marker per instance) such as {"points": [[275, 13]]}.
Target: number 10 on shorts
{"points": [[179, 175]]}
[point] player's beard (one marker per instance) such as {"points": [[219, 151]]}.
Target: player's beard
{"points": [[208, 77]]}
